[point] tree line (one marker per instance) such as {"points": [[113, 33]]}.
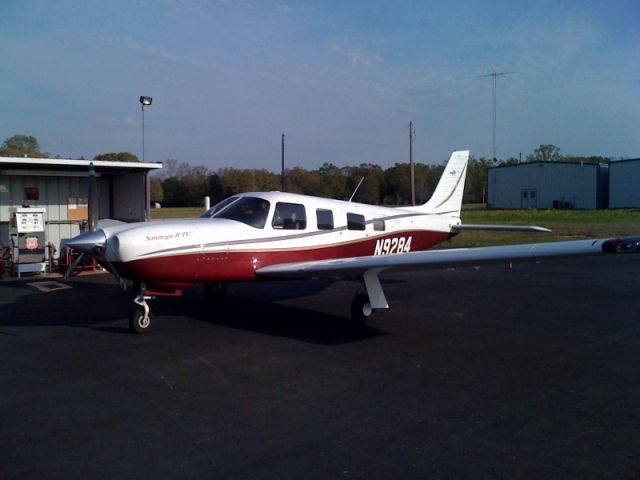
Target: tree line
{"points": [[180, 184]]}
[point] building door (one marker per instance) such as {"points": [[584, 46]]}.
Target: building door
{"points": [[529, 198]]}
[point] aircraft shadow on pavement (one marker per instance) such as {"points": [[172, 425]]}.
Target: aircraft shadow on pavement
{"points": [[82, 305], [254, 307], [102, 306]]}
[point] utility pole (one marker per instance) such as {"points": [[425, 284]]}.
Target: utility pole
{"points": [[282, 173], [495, 75], [413, 187]]}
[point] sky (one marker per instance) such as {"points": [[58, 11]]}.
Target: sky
{"points": [[341, 79]]}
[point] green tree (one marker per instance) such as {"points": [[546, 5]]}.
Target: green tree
{"points": [[174, 192], [157, 194], [475, 187], [331, 182], [545, 153], [117, 157], [299, 180], [397, 183], [236, 181], [21, 146], [196, 185], [371, 187], [216, 190], [265, 181]]}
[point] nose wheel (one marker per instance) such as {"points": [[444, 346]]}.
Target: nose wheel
{"points": [[140, 320]]}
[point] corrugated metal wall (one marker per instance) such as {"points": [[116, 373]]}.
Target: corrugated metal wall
{"points": [[127, 201], [543, 185], [624, 186]]}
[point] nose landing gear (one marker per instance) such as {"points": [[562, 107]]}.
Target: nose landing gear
{"points": [[141, 319]]}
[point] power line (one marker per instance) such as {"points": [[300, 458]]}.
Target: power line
{"points": [[282, 171], [495, 75]]}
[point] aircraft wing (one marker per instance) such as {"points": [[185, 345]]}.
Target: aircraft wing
{"points": [[500, 228], [432, 259]]}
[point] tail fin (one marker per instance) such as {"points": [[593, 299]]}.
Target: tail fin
{"points": [[447, 198]]}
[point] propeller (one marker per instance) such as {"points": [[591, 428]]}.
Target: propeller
{"points": [[92, 242]]}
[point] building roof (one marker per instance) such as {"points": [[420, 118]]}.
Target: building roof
{"points": [[69, 164], [549, 162], [625, 160]]}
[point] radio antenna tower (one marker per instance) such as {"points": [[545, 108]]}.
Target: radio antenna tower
{"points": [[495, 75]]}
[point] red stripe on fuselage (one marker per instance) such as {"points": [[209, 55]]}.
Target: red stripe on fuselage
{"points": [[209, 267]]}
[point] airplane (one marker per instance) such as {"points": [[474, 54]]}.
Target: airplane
{"points": [[260, 236]]}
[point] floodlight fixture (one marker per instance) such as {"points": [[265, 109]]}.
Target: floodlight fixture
{"points": [[145, 101]]}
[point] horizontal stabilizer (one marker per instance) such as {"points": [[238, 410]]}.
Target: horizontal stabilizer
{"points": [[501, 228]]}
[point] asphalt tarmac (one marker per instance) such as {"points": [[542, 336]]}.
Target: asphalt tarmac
{"points": [[490, 373]]}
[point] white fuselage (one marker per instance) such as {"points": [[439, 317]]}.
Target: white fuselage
{"points": [[258, 229]]}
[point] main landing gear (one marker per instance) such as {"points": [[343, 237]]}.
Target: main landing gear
{"points": [[368, 298], [140, 320], [214, 292], [361, 309]]}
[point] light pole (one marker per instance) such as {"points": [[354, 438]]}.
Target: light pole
{"points": [[145, 101]]}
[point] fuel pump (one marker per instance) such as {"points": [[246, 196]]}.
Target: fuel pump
{"points": [[27, 231]]}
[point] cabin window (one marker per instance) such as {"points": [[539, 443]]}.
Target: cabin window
{"points": [[250, 210], [378, 225], [289, 216], [325, 219], [355, 221]]}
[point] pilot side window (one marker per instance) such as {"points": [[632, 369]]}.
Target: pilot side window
{"points": [[250, 210], [355, 221], [325, 219], [289, 216]]}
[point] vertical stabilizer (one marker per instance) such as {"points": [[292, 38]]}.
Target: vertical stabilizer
{"points": [[447, 198]]}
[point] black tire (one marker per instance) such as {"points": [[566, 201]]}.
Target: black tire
{"points": [[137, 323], [214, 292], [361, 308]]}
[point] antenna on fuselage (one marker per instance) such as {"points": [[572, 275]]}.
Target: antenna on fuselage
{"points": [[356, 190]]}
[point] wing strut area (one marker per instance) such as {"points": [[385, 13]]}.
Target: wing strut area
{"points": [[374, 288]]}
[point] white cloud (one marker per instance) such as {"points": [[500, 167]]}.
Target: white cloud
{"points": [[158, 52], [356, 56]]}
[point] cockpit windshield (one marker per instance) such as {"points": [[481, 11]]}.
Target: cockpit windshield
{"points": [[218, 207], [250, 210]]}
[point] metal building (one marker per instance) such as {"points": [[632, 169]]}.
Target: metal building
{"points": [[624, 183], [60, 186], [548, 185]]}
